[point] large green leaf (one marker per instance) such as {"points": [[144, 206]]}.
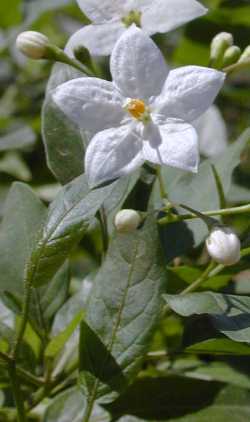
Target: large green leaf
{"points": [[124, 306], [64, 142], [23, 217], [68, 218], [176, 399], [230, 314]]}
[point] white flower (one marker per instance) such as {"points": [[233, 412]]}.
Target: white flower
{"points": [[127, 220], [145, 114], [212, 133], [223, 245], [32, 44], [111, 17]]}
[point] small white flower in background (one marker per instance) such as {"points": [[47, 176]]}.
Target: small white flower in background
{"points": [[110, 18], [127, 220], [32, 44], [145, 114], [212, 133], [223, 245]]}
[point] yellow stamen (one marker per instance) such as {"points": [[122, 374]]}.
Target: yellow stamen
{"points": [[137, 108]]}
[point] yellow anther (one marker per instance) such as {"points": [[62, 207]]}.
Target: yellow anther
{"points": [[137, 108]]}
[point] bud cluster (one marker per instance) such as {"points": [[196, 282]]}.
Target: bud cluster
{"points": [[223, 51]]}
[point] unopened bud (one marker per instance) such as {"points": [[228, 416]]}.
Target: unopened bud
{"points": [[245, 55], [219, 44], [223, 245], [127, 220], [32, 44], [232, 55]]}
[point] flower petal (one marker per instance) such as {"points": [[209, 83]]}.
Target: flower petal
{"points": [[137, 65], [93, 104], [113, 153], [101, 11], [174, 144], [212, 133], [188, 92], [164, 15], [99, 39]]}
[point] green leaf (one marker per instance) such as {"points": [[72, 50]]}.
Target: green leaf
{"points": [[63, 140], [64, 316], [178, 399], [10, 13], [22, 138], [68, 218], [69, 406], [13, 164], [124, 306], [58, 342], [176, 239], [185, 275], [46, 300], [219, 346], [193, 367], [23, 216], [199, 191], [229, 314]]}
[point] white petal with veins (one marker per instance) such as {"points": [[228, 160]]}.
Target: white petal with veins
{"points": [[137, 65], [174, 144], [93, 104], [113, 153], [189, 91], [166, 15]]}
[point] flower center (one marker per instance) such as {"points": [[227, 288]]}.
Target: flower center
{"points": [[134, 16], [138, 110]]}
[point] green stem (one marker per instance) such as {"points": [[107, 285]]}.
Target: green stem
{"points": [[237, 67], [197, 283], [21, 414], [25, 375], [88, 410], [163, 191], [56, 54], [219, 187], [227, 211], [104, 229]]}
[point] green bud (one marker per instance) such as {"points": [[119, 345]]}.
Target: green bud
{"points": [[219, 45], [82, 54], [245, 55], [231, 55]]}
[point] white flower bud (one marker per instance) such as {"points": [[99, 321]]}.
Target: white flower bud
{"points": [[245, 55], [223, 245], [232, 55], [32, 44], [127, 221], [219, 44]]}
